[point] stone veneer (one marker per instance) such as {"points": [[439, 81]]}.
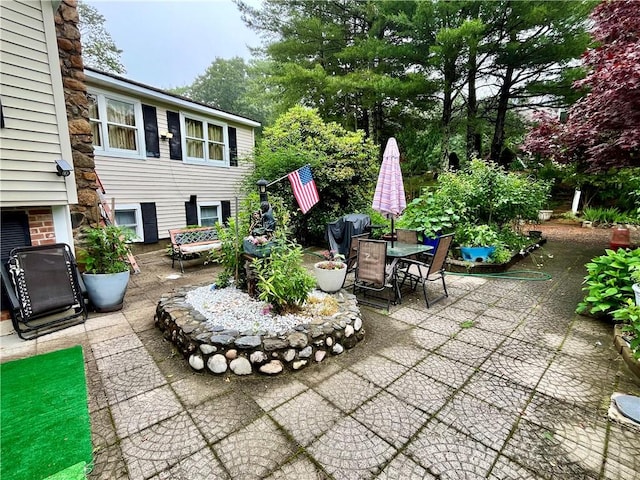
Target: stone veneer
{"points": [[244, 353], [86, 212]]}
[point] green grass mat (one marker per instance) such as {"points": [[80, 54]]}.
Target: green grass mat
{"points": [[44, 421]]}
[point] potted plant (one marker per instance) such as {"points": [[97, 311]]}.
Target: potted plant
{"points": [[104, 253], [330, 272], [477, 242], [430, 214]]}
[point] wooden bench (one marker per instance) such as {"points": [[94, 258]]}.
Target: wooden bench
{"points": [[186, 242]]}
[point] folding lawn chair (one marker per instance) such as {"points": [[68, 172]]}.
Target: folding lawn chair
{"points": [[44, 290]]}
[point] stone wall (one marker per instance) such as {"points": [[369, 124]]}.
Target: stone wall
{"points": [[243, 353], [86, 212]]}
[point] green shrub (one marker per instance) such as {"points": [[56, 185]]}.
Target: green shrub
{"points": [[477, 236], [608, 281], [283, 281], [105, 249], [431, 213], [629, 315], [603, 216]]}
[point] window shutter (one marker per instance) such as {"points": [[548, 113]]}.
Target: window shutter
{"points": [[151, 138], [15, 233], [149, 222], [175, 143], [233, 147], [226, 211], [191, 210]]}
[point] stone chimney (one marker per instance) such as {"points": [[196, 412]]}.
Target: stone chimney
{"points": [[86, 212]]}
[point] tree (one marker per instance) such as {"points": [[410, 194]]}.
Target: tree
{"points": [[230, 85], [343, 163], [603, 127], [98, 48]]}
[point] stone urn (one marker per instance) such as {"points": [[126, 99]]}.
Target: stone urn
{"points": [[330, 275], [544, 215]]}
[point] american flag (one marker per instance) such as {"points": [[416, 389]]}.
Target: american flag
{"points": [[304, 188]]}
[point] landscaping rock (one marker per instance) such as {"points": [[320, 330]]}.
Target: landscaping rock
{"points": [[240, 366], [272, 368], [217, 363], [196, 362]]}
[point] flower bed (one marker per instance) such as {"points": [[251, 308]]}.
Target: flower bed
{"points": [[461, 266], [242, 336]]}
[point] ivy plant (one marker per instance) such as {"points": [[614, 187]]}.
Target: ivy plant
{"points": [[608, 281]]}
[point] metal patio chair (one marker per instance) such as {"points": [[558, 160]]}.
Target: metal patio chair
{"points": [[372, 271], [44, 290], [418, 272]]}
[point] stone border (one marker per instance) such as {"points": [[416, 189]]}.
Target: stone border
{"points": [[623, 348], [461, 266], [244, 353]]}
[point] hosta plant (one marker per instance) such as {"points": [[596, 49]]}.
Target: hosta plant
{"points": [[629, 315], [608, 282]]}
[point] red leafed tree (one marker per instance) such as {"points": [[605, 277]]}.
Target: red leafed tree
{"points": [[603, 128]]}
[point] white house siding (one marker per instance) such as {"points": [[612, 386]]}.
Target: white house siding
{"points": [[170, 183], [35, 133]]}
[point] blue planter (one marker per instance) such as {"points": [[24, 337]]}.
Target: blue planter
{"points": [[476, 254], [433, 242]]}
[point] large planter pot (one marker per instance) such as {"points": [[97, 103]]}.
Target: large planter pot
{"points": [[106, 290], [544, 215], [636, 290], [431, 241], [330, 281], [476, 254]]}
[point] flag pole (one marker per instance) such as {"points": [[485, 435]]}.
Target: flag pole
{"points": [[285, 176]]}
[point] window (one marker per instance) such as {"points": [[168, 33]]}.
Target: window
{"points": [[130, 217], [116, 124], [205, 141], [208, 214]]}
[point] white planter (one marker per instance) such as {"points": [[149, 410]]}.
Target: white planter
{"points": [[636, 290], [106, 290], [330, 281], [544, 215]]}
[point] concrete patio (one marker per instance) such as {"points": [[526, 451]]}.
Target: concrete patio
{"points": [[502, 380]]}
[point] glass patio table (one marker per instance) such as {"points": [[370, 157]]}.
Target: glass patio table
{"points": [[396, 254]]}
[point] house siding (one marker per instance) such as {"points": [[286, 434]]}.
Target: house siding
{"points": [[170, 183], [35, 133]]}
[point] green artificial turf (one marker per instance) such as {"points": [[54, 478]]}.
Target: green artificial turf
{"points": [[44, 421]]}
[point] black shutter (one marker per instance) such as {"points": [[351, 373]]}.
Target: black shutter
{"points": [[226, 211], [233, 147], [15, 233], [191, 210], [151, 131], [149, 222], [175, 144]]}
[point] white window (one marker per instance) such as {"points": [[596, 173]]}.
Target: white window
{"points": [[130, 217], [205, 141], [117, 126], [208, 214]]}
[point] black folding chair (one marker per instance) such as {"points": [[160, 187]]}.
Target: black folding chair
{"points": [[44, 290], [418, 272]]}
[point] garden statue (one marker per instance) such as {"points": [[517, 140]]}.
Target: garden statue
{"points": [[263, 221]]}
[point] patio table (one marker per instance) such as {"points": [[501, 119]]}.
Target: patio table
{"points": [[396, 254]]}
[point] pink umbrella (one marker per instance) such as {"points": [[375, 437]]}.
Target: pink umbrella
{"points": [[389, 198]]}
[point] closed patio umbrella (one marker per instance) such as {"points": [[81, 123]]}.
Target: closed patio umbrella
{"points": [[389, 198]]}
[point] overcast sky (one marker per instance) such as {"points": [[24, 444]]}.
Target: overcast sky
{"points": [[168, 43]]}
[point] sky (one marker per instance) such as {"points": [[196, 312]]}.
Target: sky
{"points": [[168, 43]]}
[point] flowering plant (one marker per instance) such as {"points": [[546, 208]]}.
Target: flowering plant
{"points": [[332, 260], [258, 240]]}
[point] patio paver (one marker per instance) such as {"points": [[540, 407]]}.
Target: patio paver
{"points": [[502, 381]]}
